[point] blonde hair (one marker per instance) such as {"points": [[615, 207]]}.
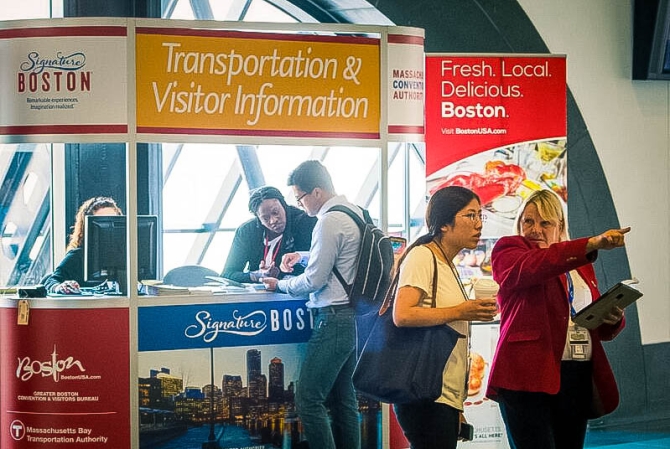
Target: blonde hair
{"points": [[549, 207]]}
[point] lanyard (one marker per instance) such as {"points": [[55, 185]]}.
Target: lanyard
{"points": [[267, 249], [466, 298], [571, 294], [454, 271]]}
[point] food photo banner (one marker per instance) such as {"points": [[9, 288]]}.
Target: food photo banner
{"points": [[496, 125], [243, 83]]}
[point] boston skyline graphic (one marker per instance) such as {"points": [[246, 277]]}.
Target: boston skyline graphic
{"points": [[250, 404]]}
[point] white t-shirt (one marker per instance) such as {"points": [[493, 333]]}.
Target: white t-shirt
{"points": [[417, 271]]}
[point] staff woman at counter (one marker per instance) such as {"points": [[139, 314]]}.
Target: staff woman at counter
{"points": [[69, 274], [260, 243]]}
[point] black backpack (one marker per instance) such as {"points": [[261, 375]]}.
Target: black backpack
{"points": [[373, 265]]}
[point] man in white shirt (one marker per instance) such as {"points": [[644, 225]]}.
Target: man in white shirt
{"points": [[325, 377]]}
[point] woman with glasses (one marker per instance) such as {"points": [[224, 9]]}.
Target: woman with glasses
{"points": [[454, 221], [260, 243], [548, 374], [69, 274]]}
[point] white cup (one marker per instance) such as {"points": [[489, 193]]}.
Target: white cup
{"points": [[485, 287]]}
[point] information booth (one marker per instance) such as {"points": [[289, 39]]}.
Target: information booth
{"points": [[192, 369]]}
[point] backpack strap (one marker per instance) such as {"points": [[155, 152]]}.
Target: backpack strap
{"points": [[353, 215], [338, 275], [361, 224], [367, 217]]}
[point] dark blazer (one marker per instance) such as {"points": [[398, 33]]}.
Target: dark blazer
{"points": [[534, 315], [246, 251]]}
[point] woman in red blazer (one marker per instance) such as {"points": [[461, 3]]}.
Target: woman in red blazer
{"points": [[549, 375]]}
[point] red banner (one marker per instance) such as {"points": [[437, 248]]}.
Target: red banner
{"points": [[65, 379], [479, 103], [496, 125]]}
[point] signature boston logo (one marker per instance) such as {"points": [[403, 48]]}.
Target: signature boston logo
{"points": [[27, 368], [57, 73], [208, 327]]}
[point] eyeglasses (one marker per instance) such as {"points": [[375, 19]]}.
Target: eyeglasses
{"points": [[299, 199], [474, 217]]}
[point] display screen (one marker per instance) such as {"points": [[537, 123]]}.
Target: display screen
{"points": [[398, 244], [105, 248]]}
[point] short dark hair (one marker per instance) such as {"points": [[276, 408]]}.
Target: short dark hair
{"points": [[310, 175], [261, 194]]}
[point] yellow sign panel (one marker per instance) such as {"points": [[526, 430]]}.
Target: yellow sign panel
{"points": [[244, 83]]}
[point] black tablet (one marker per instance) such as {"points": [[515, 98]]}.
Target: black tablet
{"points": [[621, 295], [225, 281]]}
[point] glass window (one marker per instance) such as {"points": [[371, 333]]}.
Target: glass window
{"points": [[407, 189], [25, 171], [279, 11], [206, 191], [31, 9]]}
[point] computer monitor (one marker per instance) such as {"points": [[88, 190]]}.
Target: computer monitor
{"points": [[105, 248]]}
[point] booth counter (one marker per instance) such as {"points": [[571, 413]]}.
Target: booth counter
{"points": [[169, 372]]}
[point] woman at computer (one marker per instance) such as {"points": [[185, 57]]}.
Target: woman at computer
{"points": [[69, 275], [260, 243]]}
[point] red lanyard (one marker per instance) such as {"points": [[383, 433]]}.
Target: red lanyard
{"points": [[267, 248]]}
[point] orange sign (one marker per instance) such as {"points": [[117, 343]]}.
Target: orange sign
{"points": [[246, 83]]}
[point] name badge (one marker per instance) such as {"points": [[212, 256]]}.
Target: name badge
{"points": [[578, 338]]}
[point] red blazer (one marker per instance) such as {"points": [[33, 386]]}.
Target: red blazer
{"points": [[534, 315]]}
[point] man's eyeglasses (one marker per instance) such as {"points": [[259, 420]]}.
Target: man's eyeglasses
{"points": [[299, 199], [474, 217]]}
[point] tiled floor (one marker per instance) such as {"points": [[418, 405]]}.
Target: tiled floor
{"points": [[654, 435]]}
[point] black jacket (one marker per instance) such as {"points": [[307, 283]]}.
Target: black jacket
{"points": [[246, 251], [71, 268]]}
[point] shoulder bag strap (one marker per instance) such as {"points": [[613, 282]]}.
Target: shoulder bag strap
{"points": [[434, 299], [391, 293]]}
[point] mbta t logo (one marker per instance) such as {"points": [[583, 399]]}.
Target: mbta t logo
{"points": [[17, 430]]}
